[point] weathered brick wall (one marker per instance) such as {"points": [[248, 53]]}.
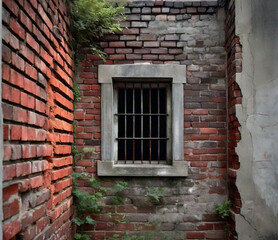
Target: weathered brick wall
{"points": [[234, 61], [189, 33], [37, 107]]}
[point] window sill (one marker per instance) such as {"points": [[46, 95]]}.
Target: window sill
{"points": [[178, 169]]}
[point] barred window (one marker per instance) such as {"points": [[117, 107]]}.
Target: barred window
{"points": [[143, 115], [142, 120]]}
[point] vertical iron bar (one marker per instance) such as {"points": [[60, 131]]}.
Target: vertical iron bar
{"points": [[150, 129], [142, 119], [133, 110], [125, 122], [166, 111], [158, 123]]}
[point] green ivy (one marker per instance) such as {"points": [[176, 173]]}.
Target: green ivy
{"points": [[223, 210], [91, 20], [117, 190], [155, 194], [86, 203], [76, 92]]}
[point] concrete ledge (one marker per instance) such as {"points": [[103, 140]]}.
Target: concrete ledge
{"points": [[177, 169], [176, 72]]}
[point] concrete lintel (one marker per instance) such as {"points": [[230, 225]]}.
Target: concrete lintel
{"points": [[177, 169], [176, 72]]}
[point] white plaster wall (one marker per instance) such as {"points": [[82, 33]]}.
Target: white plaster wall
{"points": [[257, 27]]}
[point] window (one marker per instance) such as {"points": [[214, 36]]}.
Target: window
{"points": [[142, 120], [143, 114]]}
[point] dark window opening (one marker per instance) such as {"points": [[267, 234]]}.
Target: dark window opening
{"points": [[142, 122]]}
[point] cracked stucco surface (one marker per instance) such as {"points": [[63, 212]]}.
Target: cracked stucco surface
{"points": [[257, 181]]}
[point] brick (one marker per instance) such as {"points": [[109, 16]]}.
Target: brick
{"points": [[15, 132], [26, 21], [10, 229], [32, 43], [6, 54], [117, 56], [139, 24], [17, 29], [28, 151], [9, 191], [178, 5], [146, 10], [8, 172], [12, 6], [27, 53], [134, 43], [46, 57], [61, 173], [195, 235], [23, 169], [216, 235], [131, 31], [156, 10], [117, 44], [133, 56], [168, 44], [11, 208], [124, 227], [18, 62], [151, 44]]}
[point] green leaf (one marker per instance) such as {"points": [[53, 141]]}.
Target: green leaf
{"points": [[91, 20], [89, 220], [77, 236], [78, 221], [223, 210], [155, 194]]}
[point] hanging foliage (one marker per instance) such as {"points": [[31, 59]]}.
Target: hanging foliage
{"points": [[91, 20]]}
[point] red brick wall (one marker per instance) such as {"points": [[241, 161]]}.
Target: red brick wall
{"points": [[37, 107], [160, 32], [234, 61]]}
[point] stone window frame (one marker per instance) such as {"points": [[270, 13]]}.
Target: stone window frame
{"points": [[108, 166]]}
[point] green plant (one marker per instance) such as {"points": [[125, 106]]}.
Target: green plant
{"points": [[155, 194], [76, 92], [117, 190], [223, 210], [91, 19], [86, 202]]}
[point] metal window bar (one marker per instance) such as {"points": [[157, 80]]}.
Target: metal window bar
{"points": [[133, 127], [142, 125], [154, 147], [150, 127], [158, 123], [125, 122]]}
